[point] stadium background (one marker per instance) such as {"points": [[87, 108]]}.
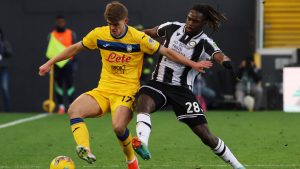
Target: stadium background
{"points": [[26, 24]]}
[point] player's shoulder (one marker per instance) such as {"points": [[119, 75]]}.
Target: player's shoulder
{"points": [[134, 31], [204, 36], [99, 32], [135, 34]]}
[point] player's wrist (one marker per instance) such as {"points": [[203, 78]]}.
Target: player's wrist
{"points": [[193, 64]]}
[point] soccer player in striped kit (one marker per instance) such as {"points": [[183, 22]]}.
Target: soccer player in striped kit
{"points": [[172, 82]]}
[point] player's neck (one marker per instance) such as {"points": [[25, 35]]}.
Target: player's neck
{"points": [[125, 29], [194, 33]]}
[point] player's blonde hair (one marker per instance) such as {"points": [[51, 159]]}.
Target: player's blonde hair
{"points": [[115, 11]]}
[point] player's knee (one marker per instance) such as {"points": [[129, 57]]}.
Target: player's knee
{"points": [[73, 112], [145, 104], [119, 129]]}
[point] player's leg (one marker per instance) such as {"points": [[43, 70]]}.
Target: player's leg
{"points": [[216, 144], [84, 106], [150, 99], [188, 110], [121, 117], [58, 87]]}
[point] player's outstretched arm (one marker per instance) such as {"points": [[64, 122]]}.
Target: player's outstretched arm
{"points": [[199, 66], [67, 53], [151, 32], [225, 61], [221, 58]]}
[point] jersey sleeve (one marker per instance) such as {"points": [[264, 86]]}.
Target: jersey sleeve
{"points": [[211, 47], [90, 40], [148, 45]]}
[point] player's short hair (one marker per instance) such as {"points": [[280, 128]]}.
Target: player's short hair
{"points": [[213, 17], [115, 11]]}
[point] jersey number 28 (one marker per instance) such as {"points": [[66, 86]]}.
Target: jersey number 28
{"points": [[193, 106]]}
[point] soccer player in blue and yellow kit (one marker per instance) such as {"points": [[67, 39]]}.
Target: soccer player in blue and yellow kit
{"points": [[121, 48]]}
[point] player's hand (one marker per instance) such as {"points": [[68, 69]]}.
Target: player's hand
{"points": [[201, 65], [230, 68], [45, 68]]}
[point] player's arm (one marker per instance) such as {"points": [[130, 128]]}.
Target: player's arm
{"points": [[65, 54], [199, 66], [217, 55], [225, 61], [152, 32], [220, 58]]}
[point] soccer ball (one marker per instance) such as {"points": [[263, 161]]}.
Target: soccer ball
{"points": [[62, 162]]}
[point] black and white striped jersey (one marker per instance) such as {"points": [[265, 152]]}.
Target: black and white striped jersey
{"points": [[199, 47]]}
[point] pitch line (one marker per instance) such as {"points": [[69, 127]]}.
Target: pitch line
{"points": [[160, 166], [16, 122], [204, 165]]}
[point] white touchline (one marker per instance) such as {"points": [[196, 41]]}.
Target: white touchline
{"points": [[16, 122]]}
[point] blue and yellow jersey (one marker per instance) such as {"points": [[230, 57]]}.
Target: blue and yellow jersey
{"points": [[122, 58]]}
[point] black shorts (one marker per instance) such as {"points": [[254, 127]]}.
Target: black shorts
{"points": [[183, 101]]}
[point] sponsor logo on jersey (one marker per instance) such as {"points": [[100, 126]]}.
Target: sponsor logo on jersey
{"points": [[118, 69], [115, 58]]}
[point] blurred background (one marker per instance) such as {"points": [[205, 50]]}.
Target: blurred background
{"points": [[259, 35]]}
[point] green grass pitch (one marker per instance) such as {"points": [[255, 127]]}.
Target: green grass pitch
{"points": [[262, 140]]}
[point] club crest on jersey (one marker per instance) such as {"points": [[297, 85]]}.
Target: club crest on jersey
{"points": [[129, 48], [192, 44]]}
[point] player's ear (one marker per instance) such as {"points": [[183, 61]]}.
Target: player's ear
{"points": [[126, 20]]}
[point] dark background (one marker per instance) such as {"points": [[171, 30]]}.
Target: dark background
{"points": [[26, 24]]}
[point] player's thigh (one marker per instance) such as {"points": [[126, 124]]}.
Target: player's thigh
{"points": [[121, 106], [84, 106], [186, 106], [145, 104], [150, 98]]}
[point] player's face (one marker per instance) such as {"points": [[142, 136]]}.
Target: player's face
{"points": [[194, 22], [61, 23], [117, 28]]}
